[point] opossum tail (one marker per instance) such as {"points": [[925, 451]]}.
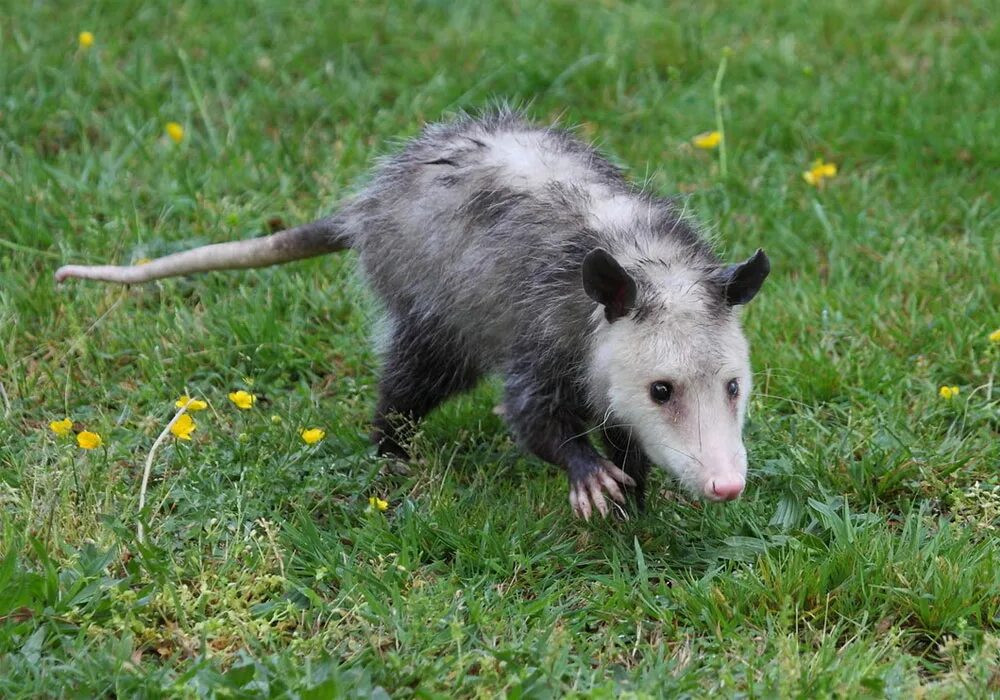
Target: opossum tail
{"points": [[306, 241]]}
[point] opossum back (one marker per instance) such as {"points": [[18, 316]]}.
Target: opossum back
{"points": [[482, 224]]}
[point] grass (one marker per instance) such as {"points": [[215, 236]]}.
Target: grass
{"points": [[862, 561]]}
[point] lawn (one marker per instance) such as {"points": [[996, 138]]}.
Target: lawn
{"points": [[861, 562]]}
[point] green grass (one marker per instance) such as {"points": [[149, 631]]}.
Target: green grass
{"points": [[862, 561]]}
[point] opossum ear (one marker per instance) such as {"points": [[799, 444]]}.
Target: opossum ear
{"points": [[607, 283], [741, 282]]}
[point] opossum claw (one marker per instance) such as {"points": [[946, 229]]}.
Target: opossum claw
{"points": [[580, 502], [617, 474], [611, 487], [588, 493], [596, 497]]}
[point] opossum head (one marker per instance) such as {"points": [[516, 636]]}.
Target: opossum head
{"points": [[671, 365]]}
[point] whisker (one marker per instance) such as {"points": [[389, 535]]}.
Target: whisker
{"points": [[698, 416], [599, 426], [782, 398], [669, 447]]}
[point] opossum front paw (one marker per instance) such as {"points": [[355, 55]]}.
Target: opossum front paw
{"points": [[588, 489]]}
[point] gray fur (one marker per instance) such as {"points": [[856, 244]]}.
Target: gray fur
{"points": [[473, 237], [458, 240]]}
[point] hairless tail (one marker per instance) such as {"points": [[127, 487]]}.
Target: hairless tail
{"points": [[306, 241]]}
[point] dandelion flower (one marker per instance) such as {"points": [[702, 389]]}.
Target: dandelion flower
{"points": [[378, 503], [707, 140], [86, 40], [995, 336], [948, 392], [88, 440], [61, 427], [183, 427], [175, 131], [243, 399], [819, 172], [313, 435], [195, 405]]}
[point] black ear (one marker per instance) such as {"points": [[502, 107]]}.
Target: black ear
{"points": [[740, 283], [607, 283]]}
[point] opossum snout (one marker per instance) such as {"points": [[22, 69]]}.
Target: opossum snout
{"points": [[725, 477], [725, 488]]}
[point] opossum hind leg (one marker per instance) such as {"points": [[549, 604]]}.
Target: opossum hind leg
{"points": [[423, 366]]}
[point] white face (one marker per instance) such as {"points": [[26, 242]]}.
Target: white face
{"points": [[681, 386]]}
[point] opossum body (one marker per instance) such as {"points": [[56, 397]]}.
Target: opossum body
{"points": [[499, 246]]}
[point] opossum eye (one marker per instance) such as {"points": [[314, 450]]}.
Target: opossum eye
{"points": [[661, 392], [733, 388]]}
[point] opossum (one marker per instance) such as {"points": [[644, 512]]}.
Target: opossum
{"points": [[498, 245]]}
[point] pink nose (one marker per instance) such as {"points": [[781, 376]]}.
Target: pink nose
{"points": [[725, 490]]}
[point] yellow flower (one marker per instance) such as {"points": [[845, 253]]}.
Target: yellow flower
{"points": [[242, 399], [183, 427], [948, 392], [175, 131], [195, 405], [378, 503], [819, 172], [86, 40], [313, 435], [707, 140], [88, 440], [995, 336], [276, 419], [61, 427]]}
